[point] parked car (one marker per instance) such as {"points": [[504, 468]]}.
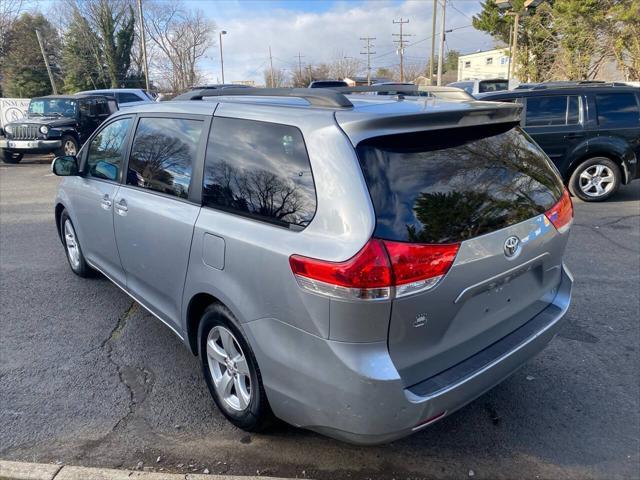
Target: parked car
{"points": [[473, 87], [127, 97], [328, 84], [358, 266], [55, 124], [591, 132]]}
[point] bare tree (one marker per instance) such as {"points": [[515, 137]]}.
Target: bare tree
{"points": [[343, 66], [412, 71], [9, 12], [182, 37], [276, 78]]}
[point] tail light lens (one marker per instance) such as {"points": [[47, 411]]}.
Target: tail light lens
{"points": [[561, 214], [379, 271]]}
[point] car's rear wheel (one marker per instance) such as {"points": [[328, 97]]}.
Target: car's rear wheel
{"points": [[11, 157], [75, 256], [231, 371], [69, 146], [595, 179]]}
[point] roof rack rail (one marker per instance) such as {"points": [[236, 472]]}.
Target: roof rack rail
{"points": [[318, 97], [579, 83], [392, 88]]}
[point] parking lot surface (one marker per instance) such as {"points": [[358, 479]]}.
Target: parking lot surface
{"points": [[88, 377]]}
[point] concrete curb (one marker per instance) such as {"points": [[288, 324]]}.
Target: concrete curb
{"points": [[44, 471]]}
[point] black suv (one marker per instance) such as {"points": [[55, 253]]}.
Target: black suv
{"points": [[590, 131], [55, 124]]}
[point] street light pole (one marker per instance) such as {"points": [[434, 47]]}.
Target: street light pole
{"points": [[223, 32]]}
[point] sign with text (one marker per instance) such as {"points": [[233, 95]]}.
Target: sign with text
{"points": [[12, 109]]}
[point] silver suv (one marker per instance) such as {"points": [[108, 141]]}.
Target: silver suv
{"points": [[358, 265]]}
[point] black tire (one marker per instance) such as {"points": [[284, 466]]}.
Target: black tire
{"points": [[9, 156], [81, 267], [580, 187], [257, 416], [62, 151]]}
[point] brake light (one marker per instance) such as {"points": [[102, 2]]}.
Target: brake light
{"points": [[561, 214], [379, 271]]}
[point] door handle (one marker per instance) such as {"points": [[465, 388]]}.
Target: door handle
{"points": [[106, 203], [121, 207]]}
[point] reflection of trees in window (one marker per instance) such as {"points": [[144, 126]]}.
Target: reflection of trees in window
{"points": [[258, 192], [160, 162], [107, 146]]}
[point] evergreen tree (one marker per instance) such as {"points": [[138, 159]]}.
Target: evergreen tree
{"points": [[24, 73], [82, 57]]}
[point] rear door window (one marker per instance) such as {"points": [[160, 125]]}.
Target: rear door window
{"points": [[617, 108], [552, 110], [449, 186], [259, 170], [163, 153]]}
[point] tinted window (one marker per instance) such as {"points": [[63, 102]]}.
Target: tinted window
{"points": [[106, 150], [439, 187], [259, 170], [493, 86], [128, 97], [545, 111], [617, 108], [162, 154]]}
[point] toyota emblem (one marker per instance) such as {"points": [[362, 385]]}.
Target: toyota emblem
{"points": [[512, 247]]}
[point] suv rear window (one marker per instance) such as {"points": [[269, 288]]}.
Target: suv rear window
{"points": [[493, 85], [444, 187], [617, 108]]}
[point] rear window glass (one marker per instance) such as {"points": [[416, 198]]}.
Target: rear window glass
{"points": [[493, 86], [617, 108], [436, 187], [552, 110]]}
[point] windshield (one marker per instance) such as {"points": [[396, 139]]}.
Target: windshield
{"points": [[59, 107]]}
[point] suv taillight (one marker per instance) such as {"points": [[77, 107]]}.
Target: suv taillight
{"points": [[380, 270], [561, 214]]}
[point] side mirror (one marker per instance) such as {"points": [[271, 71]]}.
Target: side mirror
{"points": [[105, 170], [65, 166]]}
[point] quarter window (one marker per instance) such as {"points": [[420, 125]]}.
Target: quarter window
{"points": [[552, 110], [259, 170], [106, 150], [617, 108], [162, 155]]}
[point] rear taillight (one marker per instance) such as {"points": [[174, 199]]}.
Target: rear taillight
{"points": [[561, 214], [379, 271]]}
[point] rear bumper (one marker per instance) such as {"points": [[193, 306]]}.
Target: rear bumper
{"points": [[352, 391], [26, 145]]}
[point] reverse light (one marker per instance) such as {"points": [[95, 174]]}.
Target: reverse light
{"points": [[561, 214], [379, 271]]}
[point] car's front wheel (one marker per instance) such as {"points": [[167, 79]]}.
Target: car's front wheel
{"points": [[75, 256], [69, 146], [231, 371], [595, 179], [11, 157]]}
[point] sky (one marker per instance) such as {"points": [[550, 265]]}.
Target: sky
{"points": [[323, 30]]}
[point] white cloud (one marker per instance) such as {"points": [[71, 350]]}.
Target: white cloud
{"points": [[319, 37]]}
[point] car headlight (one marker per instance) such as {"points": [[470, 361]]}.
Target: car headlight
{"points": [[44, 129], [8, 129]]}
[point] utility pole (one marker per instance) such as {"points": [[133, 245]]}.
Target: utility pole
{"points": [[516, 24], [223, 32], [433, 41], [368, 53], [300, 64], [401, 44], [442, 34], [510, 45], [143, 45], [46, 62], [273, 83]]}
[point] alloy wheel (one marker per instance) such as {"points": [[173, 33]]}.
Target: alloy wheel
{"points": [[596, 180], [72, 244], [229, 369]]}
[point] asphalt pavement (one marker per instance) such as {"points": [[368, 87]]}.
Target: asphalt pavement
{"points": [[88, 377]]}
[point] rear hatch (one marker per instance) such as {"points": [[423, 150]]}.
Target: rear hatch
{"points": [[475, 188]]}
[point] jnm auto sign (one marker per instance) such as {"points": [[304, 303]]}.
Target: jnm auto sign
{"points": [[12, 109]]}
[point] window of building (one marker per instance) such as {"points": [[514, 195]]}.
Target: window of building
{"points": [[162, 155], [489, 60], [259, 170], [467, 64], [618, 108], [504, 60]]}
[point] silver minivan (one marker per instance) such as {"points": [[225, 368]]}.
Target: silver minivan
{"points": [[357, 265]]}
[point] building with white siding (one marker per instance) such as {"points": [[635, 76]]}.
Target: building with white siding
{"points": [[482, 65]]}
